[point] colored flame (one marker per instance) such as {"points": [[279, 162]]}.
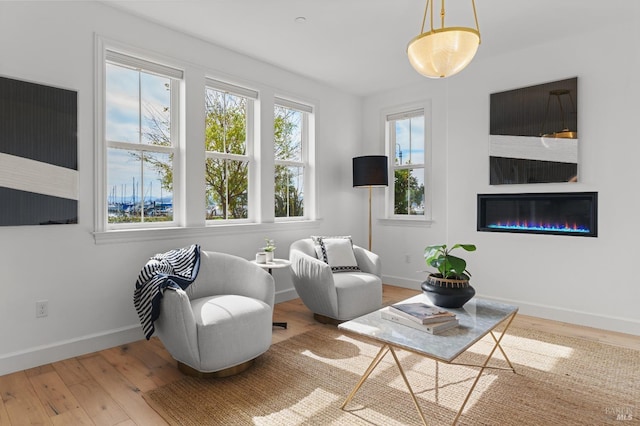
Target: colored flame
{"points": [[540, 227]]}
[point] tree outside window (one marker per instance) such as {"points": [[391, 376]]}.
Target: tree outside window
{"points": [[289, 140], [140, 150], [141, 126], [406, 136], [227, 163]]}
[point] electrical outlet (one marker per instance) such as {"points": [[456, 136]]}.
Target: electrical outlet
{"points": [[42, 308], [407, 258]]}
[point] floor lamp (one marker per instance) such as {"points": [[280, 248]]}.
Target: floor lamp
{"points": [[370, 171]]}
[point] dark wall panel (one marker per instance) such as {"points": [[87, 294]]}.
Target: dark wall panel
{"points": [[534, 134], [28, 208], [39, 122], [533, 111], [515, 170]]}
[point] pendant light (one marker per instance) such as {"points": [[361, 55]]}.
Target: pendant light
{"points": [[443, 52]]}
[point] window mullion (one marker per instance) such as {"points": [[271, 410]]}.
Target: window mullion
{"points": [[289, 163], [141, 147], [227, 156], [407, 166]]}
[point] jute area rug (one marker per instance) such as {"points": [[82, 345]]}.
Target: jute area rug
{"points": [[305, 380]]}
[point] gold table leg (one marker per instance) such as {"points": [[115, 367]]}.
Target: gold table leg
{"points": [[388, 348], [383, 351], [406, 382], [484, 365]]}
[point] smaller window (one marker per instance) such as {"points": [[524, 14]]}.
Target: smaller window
{"points": [[291, 135], [228, 129], [406, 136]]}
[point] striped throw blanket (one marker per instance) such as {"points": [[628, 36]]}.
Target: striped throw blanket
{"points": [[174, 269]]}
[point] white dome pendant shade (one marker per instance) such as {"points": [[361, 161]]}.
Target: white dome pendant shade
{"points": [[443, 52]]}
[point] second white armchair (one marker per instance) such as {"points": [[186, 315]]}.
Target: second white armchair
{"points": [[334, 297]]}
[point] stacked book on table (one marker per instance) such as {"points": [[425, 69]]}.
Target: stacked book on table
{"points": [[421, 316]]}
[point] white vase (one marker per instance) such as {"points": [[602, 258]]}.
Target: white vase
{"points": [[261, 257], [269, 256]]}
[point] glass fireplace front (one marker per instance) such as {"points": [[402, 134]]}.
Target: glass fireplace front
{"points": [[558, 213]]}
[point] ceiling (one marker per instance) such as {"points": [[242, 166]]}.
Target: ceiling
{"points": [[359, 45]]}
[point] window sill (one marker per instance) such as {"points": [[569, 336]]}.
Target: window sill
{"points": [[417, 222], [155, 234]]}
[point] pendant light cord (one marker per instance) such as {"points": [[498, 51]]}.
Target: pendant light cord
{"points": [[442, 13], [475, 16]]}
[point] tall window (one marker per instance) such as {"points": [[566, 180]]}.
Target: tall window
{"points": [[291, 136], [406, 137], [228, 125], [141, 136]]}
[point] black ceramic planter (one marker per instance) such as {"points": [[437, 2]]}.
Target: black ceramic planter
{"points": [[447, 293]]}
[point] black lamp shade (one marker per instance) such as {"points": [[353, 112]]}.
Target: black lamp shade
{"points": [[370, 170]]}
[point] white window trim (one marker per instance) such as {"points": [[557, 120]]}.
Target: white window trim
{"points": [[108, 51], [308, 131], [310, 223], [395, 113], [252, 96]]}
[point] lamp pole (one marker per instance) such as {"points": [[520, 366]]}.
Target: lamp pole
{"points": [[370, 171], [369, 217]]}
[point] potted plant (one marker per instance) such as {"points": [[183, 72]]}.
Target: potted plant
{"points": [[269, 249], [449, 287]]}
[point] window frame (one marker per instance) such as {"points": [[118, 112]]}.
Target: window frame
{"points": [[389, 116], [188, 164], [252, 97], [130, 59], [306, 137]]}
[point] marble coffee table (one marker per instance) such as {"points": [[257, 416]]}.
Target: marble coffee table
{"points": [[478, 318]]}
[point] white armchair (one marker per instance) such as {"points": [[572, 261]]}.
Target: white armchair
{"points": [[222, 321], [340, 296]]}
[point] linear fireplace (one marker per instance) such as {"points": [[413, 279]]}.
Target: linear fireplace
{"points": [[556, 213]]}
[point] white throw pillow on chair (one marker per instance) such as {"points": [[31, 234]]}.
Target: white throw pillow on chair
{"points": [[337, 252]]}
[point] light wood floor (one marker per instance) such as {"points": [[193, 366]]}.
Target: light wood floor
{"points": [[105, 388]]}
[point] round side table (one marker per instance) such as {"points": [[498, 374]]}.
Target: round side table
{"points": [[270, 266]]}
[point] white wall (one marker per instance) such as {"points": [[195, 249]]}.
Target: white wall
{"points": [[89, 286], [395, 242], [589, 281]]}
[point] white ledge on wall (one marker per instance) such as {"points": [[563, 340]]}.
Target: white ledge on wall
{"points": [[413, 221], [170, 233]]}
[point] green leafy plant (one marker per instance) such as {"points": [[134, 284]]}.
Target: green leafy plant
{"points": [[448, 266], [271, 245]]}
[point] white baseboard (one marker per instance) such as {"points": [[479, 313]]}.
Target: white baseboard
{"points": [[46, 354], [284, 295], [571, 316], [401, 282]]}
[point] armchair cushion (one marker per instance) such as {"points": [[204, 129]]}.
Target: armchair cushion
{"points": [[337, 252], [234, 328]]}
